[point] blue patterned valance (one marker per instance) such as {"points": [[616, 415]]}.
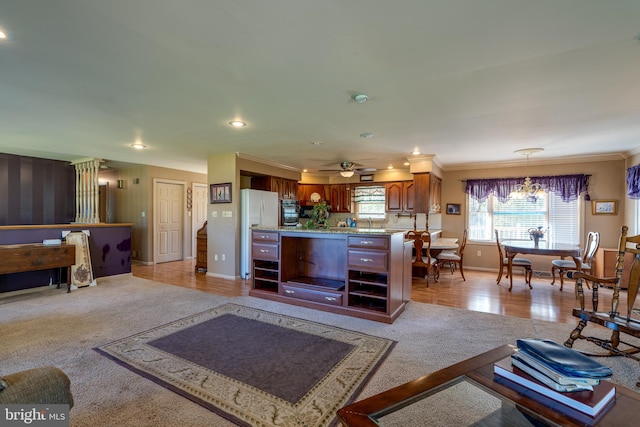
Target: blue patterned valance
{"points": [[568, 187], [633, 182]]}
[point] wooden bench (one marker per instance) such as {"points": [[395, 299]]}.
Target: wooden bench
{"points": [[37, 256]]}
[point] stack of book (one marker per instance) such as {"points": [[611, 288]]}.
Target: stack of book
{"points": [[561, 377]]}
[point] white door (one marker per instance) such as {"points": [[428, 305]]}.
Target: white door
{"points": [[200, 200], [169, 221]]}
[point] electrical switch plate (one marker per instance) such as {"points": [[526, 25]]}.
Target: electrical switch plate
{"points": [[479, 253], [142, 214], [223, 257], [215, 257], [214, 214]]}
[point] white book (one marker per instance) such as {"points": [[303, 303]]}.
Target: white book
{"points": [[552, 373], [585, 401], [548, 381]]}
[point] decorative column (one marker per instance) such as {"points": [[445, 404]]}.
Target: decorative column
{"points": [[87, 200]]}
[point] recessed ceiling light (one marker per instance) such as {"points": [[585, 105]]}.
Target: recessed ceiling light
{"points": [[138, 145], [390, 167], [305, 170], [360, 98], [237, 123], [416, 152], [366, 135], [406, 163], [2, 35]]}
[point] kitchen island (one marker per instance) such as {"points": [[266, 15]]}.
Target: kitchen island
{"points": [[357, 272]]}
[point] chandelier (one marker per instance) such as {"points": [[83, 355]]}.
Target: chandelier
{"points": [[528, 190]]}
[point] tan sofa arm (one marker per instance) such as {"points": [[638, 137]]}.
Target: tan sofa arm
{"points": [[46, 385]]}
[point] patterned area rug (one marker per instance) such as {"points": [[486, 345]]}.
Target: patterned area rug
{"points": [[254, 367]]}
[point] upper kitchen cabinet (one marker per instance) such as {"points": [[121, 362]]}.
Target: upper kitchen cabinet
{"points": [[400, 196], [310, 194], [427, 189], [340, 198], [435, 194], [287, 189]]}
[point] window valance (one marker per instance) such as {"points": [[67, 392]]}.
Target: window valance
{"points": [[568, 187], [633, 182], [369, 194]]}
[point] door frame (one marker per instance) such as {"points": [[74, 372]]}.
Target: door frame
{"points": [[185, 226], [194, 225]]}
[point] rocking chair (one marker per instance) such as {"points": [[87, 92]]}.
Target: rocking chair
{"points": [[619, 324]]}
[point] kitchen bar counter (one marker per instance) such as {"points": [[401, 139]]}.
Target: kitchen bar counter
{"points": [[343, 230], [359, 272]]}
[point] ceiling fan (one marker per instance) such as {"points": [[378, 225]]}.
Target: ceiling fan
{"points": [[347, 169]]}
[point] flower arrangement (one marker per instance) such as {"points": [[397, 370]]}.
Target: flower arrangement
{"points": [[536, 234]]}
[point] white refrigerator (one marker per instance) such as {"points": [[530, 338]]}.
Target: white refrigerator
{"points": [[256, 208]]}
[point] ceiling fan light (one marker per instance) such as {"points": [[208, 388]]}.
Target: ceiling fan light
{"points": [[347, 174]]}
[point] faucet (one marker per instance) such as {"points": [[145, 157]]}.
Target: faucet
{"points": [[369, 222]]}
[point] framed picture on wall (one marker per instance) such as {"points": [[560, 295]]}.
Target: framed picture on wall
{"points": [[604, 207], [453, 208], [220, 193]]}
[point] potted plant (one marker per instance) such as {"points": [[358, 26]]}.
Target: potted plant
{"points": [[319, 217]]}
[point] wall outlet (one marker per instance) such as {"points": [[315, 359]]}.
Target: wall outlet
{"points": [[215, 257], [142, 214], [214, 214], [479, 253], [223, 257]]}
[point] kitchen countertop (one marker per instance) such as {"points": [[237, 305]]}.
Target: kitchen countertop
{"points": [[339, 230]]}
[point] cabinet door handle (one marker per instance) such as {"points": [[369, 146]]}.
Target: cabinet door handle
{"points": [[366, 242], [366, 260], [287, 291], [264, 250], [263, 236], [330, 298]]}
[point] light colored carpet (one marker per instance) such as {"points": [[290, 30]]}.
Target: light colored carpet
{"points": [[56, 328]]}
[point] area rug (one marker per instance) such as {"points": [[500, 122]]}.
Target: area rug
{"points": [[255, 367]]}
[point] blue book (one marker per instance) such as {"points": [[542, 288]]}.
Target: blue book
{"points": [[564, 360]]}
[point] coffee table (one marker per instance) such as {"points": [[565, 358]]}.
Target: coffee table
{"points": [[427, 397]]}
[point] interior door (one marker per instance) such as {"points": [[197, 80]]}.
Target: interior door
{"points": [[200, 200], [169, 221]]}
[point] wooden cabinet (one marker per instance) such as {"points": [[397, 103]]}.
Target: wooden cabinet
{"points": [[399, 196], [201, 248], [427, 189], [265, 252], [358, 274], [287, 189], [340, 198], [435, 190], [306, 190], [605, 265]]}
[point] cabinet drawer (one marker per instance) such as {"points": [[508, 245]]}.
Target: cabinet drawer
{"points": [[368, 260], [265, 236], [264, 251], [311, 295], [373, 242]]}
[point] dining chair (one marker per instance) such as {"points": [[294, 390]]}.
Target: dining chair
{"points": [[563, 265], [452, 258], [517, 262], [422, 257], [625, 326]]}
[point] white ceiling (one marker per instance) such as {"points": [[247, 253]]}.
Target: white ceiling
{"points": [[468, 81]]}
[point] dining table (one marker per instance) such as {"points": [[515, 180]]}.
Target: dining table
{"points": [[543, 247]]}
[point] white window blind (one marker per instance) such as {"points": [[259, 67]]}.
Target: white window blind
{"points": [[369, 202], [516, 216]]}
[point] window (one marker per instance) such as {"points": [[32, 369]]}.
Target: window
{"points": [[369, 202], [515, 216]]}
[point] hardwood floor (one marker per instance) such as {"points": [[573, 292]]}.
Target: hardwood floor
{"points": [[479, 292]]}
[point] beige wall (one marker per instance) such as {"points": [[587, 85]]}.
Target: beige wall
{"points": [[607, 181], [128, 204]]}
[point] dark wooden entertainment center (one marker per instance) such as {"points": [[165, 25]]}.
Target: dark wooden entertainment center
{"points": [[349, 271]]}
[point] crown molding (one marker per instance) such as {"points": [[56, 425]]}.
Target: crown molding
{"points": [[266, 162]]}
